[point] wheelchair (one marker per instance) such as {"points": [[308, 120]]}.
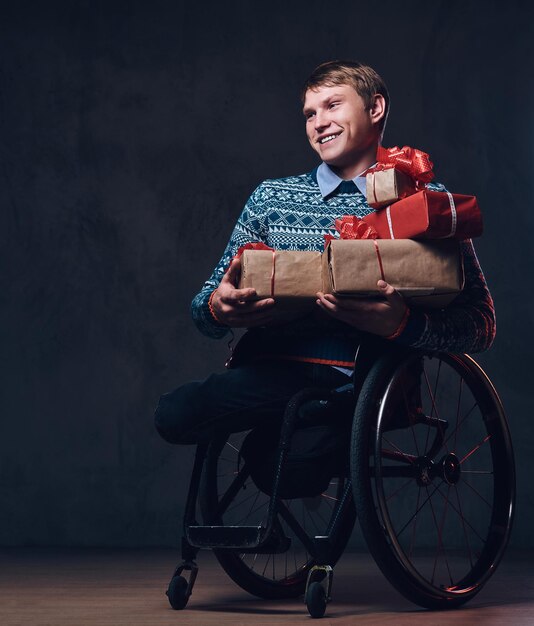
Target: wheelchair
{"points": [[424, 460]]}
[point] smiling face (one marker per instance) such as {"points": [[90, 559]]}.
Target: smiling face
{"points": [[343, 132]]}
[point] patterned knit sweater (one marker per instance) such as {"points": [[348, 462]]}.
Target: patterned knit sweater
{"points": [[291, 214]]}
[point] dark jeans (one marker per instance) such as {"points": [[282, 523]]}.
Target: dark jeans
{"points": [[237, 399]]}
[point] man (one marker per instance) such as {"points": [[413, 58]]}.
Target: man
{"points": [[345, 106]]}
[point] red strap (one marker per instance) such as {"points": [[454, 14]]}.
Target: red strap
{"points": [[378, 256]]}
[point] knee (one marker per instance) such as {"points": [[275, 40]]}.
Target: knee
{"points": [[165, 419], [175, 413]]}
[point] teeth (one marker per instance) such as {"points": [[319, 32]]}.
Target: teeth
{"points": [[329, 138]]}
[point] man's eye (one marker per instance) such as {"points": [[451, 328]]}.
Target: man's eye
{"points": [[333, 104], [309, 116]]}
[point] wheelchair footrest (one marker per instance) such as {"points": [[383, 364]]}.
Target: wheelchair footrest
{"points": [[243, 538], [225, 536]]}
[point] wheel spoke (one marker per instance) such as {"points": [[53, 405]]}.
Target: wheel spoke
{"points": [[396, 492], [466, 538], [416, 512], [412, 540], [460, 423], [439, 547], [463, 519], [433, 395], [465, 482], [477, 447], [395, 471], [232, 490], [408, 458], [292, 522]]}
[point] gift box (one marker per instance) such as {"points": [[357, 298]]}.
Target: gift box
{"points": [[398, 173], [426, 273], [386, 186], [292, 278], [429, 215]]}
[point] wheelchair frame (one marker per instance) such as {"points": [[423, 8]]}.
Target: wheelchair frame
{"points": [[372, 385]]}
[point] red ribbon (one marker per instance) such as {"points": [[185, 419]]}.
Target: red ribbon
{"points": [[352, 227], [254, 245], [411, 161], [379, 257]]}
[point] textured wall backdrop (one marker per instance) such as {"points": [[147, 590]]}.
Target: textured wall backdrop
{"points": [[131, 134]]}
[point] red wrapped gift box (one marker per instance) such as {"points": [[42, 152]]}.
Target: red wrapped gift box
{"points": [[429, 215]]}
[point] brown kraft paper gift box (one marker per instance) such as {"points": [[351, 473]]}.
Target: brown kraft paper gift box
{"points": [[292, 278], [429, 273], [384, 187]]}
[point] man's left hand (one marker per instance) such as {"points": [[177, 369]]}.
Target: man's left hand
{"points": [[379, 317]]}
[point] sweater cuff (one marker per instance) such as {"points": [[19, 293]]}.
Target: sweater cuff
{"points": [[204, 319], [207, 309], [414, 329]]}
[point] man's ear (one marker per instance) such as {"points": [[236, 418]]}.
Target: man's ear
{"points": [[377, 109]]}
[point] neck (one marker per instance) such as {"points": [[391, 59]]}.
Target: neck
{"points": [[356, 166]]}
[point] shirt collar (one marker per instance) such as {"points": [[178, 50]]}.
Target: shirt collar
{"points": [[328, 181]]}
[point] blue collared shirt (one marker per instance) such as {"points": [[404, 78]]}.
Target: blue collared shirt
{"points": [[328, 181]]}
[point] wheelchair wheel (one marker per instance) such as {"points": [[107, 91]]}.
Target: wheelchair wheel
{"points": [[433, 480], [228, 496]]}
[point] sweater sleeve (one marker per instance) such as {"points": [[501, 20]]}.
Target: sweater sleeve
{"points": [[467, 324], [250, 226]]}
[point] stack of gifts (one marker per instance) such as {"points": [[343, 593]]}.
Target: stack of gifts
{"points": [[406, 210], [411, 241]]}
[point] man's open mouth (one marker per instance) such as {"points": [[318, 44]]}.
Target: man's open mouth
{"points": [[328, 138]]}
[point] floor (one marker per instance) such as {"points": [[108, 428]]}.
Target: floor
{"points": [[126, 587]]}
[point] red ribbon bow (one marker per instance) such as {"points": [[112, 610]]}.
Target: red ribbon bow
{"points": [[352, 227], [411, 161], [254, 245]]}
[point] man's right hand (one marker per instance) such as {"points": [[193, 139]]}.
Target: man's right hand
{"points": [[239, 308]]}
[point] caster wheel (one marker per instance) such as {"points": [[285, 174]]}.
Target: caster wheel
{"points": [[177, 593], [316, 600]]}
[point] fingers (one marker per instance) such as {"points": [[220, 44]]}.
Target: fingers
{"points": [[242, 314], [234, 272], [258, 317], [332, 303], [392, 295], [243, 307], [228, 288], [235, 297]]}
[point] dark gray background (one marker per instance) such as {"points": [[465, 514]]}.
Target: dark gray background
{"points": [[131, 134]]}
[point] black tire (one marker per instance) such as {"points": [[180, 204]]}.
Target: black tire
{"points": [[316, 600], [177, 593], [435, 503], [281, 575]]}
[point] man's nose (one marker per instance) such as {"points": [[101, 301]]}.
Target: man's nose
{"points": [[321, 120]]}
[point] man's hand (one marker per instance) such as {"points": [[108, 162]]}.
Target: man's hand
{"points": [[381, 318], [239, 308]]}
